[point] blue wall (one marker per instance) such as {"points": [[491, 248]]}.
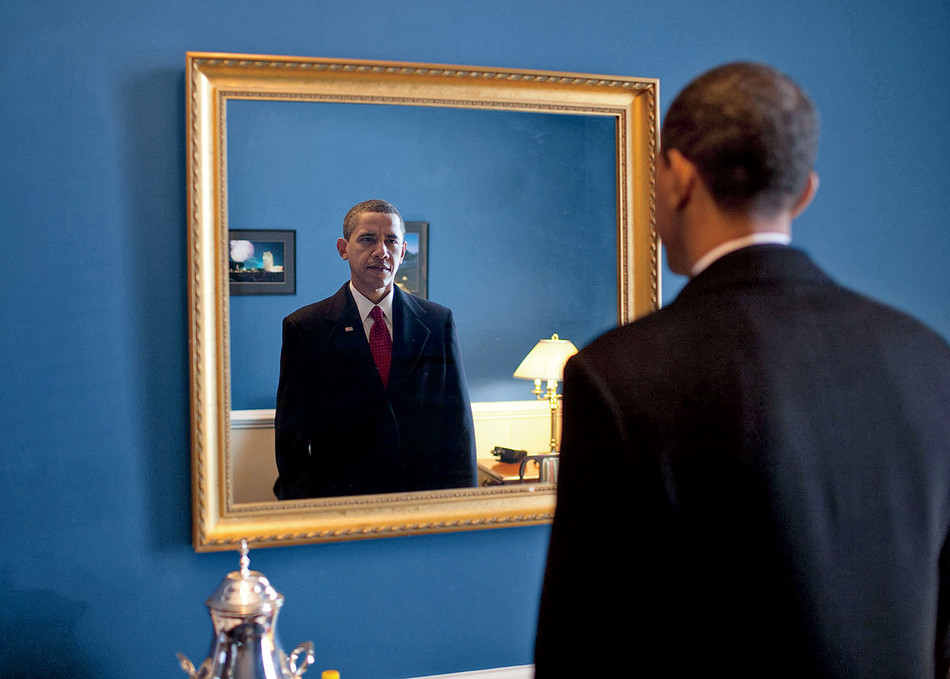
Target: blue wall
{"points": [[95, 557]]}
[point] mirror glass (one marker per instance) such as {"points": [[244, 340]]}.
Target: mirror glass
{"points": [[532, 230], [521, 212]]}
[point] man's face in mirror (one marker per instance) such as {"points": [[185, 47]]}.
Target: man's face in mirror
{"points": [[374, 250]]}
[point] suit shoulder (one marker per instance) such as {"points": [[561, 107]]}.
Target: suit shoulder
{"points": [[652, 347], [318, 311], [897, 322], [426, 306], [435, 308], [307, 314], [655, 327]]}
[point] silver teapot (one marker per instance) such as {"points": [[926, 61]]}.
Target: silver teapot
{"points": [[549, 464], [244, 644]]}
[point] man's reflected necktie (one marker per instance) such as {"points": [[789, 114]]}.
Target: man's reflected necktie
{"points": [[381, 344]]}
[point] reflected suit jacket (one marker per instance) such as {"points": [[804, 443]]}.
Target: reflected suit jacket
{"points": [[340, 432], [755, 482]]}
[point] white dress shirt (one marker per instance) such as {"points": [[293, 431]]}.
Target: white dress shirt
{"points": [[366, 307]]}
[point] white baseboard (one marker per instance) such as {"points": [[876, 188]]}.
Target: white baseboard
{"points": [[522, 425], [518, 672]]}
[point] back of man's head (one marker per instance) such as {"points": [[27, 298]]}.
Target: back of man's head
{"points": [[752, 134]]}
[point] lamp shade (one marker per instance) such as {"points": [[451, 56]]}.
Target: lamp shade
{"points": [[546, 361]]}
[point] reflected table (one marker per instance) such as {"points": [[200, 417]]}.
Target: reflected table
{"points": [[491, 472]]}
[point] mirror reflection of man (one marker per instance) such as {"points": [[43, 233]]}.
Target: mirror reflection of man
{"points": [[755, 479], [372, 396]]}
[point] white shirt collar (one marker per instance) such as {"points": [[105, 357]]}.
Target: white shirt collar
{"points": [[737, 244], [365, 306]]}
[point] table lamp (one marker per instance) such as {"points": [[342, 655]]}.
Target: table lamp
{"points": [[546, 362]]}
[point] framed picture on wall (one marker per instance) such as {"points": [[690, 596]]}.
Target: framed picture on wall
{"points": [[413, 274], [262, 262]]}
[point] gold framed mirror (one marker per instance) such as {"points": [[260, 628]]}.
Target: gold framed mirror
{"points": [[220, 517]]}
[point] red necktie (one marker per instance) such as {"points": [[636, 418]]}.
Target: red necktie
{"points": [[381, 344]]}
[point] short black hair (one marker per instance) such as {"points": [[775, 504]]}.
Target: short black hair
{"points": [[373, 205], [751, 132]]}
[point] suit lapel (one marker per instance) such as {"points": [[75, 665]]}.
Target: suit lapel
{"points": [[410, 335], [348, 340]]}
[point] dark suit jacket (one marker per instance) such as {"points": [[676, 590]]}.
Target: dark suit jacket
{"points": [[340, 432], [755, 482]]}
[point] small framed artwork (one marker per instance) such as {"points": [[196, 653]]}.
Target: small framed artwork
{"points": [[413, 274], [262, 262]]}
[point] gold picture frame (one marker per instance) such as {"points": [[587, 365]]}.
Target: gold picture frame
{"points": [[212, 80]]}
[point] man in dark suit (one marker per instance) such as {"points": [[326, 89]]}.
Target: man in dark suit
{"points": [[755, 480], [350, 422]]}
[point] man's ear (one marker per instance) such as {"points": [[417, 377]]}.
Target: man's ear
{"points": [[341, 247], [684, 175], [804, 200]]}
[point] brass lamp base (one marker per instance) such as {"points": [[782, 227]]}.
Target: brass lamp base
{"points": [[553, 398]]}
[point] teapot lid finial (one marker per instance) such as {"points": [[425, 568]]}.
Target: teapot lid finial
{"points": [[245, 592], [245, 559]]}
